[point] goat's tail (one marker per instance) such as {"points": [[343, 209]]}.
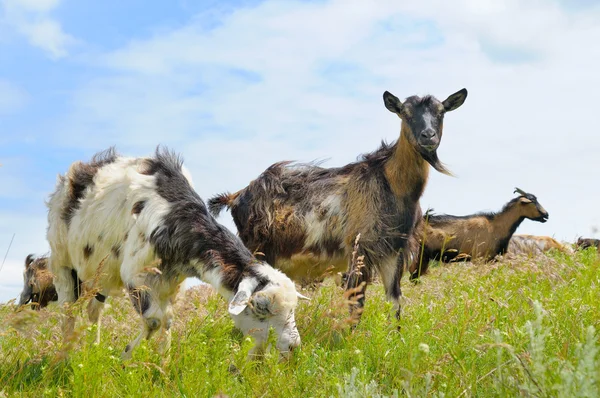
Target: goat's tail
{"points": [[218, 202]]}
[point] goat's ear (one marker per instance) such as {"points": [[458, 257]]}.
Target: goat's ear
{"points": [[392, 103], [29, 260], [239, 302], [455, 100], [524, 200]]}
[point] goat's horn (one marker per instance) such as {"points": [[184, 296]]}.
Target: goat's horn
{"points": [[520, 191]]}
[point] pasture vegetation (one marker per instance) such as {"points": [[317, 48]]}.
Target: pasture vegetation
{"points": [[526, 327]]}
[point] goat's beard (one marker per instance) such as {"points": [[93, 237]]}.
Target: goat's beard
{"points": [[431, 157]]}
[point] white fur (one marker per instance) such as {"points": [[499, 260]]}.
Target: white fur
{"points": [[428, 120], [316, 226]]}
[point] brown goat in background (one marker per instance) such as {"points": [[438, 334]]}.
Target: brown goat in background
{"points": [[584, 243], [38, 283], [532, 245], [481, 235], [304, 218]]}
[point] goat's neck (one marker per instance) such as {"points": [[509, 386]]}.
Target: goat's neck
{"points": [[406, 170], [508, 221]]}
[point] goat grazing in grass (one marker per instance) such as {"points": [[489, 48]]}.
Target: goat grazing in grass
{"points": [[584, 243], [304, 218], [137, 222], [482, 235], [38, 283], [533, 245]]}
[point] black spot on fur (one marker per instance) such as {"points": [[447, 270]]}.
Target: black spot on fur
{"points": [[116, 251], [77, 284], [81, 176], [88, 251], [138, 207]]}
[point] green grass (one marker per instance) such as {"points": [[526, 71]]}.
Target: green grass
{"points": [[524, 327]]}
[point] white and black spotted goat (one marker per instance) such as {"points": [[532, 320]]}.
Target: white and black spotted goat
{"points": [[137, 222]]}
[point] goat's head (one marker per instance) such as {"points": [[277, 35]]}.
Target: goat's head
{"points": [[530, 207], [424, 118], [584, 243], [256, 309], [29, 284]]}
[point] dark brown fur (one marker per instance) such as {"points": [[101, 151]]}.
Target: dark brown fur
{"points": [[38, 283], [81, 175], [584, 243], [305, 218]]}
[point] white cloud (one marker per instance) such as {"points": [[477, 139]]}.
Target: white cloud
{"points": [[32, 19], [33, 5]]}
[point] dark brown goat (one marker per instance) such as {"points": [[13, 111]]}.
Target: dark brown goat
{"points": [[304, 218], [38, 283], [584, 243], [482, 235]]}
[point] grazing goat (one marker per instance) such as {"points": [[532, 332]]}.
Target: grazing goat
{"points": [[304, 218], [38, 283], [533, 245], [137, 222], [584, 243], [482, 235]]}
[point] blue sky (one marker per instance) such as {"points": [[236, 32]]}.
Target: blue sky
{"points": [[236, 86]]}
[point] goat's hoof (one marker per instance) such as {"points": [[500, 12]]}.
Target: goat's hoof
{"points": [[153, 323], [126, 354]]}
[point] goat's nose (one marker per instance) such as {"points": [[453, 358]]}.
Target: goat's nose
{"points": [[428, 133]]}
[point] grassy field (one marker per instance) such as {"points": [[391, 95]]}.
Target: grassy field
{"points": [[525, 327]]}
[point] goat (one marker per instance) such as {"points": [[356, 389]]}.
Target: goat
{"points": [[481, 235], [138, 223], [534, 245], [304, 218], [584, 243], [38, 283]]}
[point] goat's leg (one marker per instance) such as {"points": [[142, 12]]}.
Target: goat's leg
{"points": [[391, 275], [66, 286], [167, 311], [153, 299], [420, 265], [356, 287], [146, 305], [94, 311]]}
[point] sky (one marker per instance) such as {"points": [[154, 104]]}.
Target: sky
{"points": [[235, 86]]}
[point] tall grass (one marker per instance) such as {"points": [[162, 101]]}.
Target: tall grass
{"points": [[524, 327]]}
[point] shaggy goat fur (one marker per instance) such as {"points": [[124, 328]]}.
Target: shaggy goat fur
{"points": [[138, 223], [38, 285]]}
